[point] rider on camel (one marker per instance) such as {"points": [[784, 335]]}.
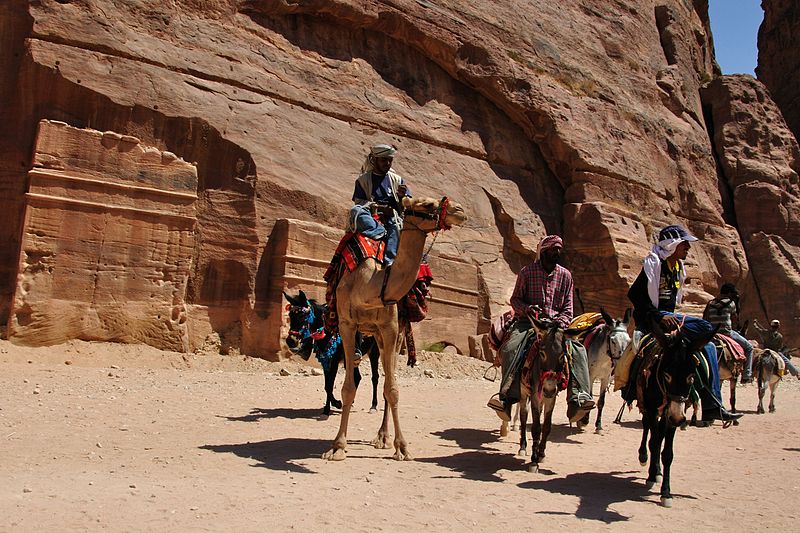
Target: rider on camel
{"points": [[379, 190], [655, 293]]}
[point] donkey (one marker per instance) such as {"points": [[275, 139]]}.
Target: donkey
{"points": [[603, 351], [542, 379], [767, 371], [666, 390], [307, 334]]}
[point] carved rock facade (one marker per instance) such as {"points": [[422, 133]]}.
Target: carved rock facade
{"points": [[601, 138]]}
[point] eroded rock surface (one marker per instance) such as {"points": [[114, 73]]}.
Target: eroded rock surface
{"points": [[601, 138]]}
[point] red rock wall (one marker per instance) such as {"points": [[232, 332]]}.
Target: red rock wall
{"points": [[779, 58], [601, 138], [107, 241]]}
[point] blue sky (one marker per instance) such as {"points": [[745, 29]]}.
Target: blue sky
{"points": [[734, 24]]}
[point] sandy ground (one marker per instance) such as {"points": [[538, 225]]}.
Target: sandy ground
{"points": [[128, 438]]}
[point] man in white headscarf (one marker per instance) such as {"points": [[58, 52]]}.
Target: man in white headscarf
{"points": [[379, 187], [656, 292]]}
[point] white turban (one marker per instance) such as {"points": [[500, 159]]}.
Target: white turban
{"points": [[379, 150]]}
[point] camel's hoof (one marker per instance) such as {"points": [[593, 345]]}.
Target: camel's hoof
{"points": [[402, 456], [407, 456], [533, 468], [666, 502], [380, 443], [334, 455]]}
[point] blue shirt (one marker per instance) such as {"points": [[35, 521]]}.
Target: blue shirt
{"points": [[381, 191]]}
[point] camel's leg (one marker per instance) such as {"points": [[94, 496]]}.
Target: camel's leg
{"points": [[381, 440], [387, 340], [337, 451]]}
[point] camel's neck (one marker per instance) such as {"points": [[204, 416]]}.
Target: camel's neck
{"points": [[406, 265]]}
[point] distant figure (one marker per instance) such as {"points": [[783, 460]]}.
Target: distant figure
{"points": [[378, 193], [771, 339], [723, 311]]}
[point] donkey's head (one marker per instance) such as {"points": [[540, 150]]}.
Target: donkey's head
{"points": [[551, 356], [301, 317], [617, 335], [675, 371]]}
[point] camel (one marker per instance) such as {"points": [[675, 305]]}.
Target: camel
{"points": [[366, 303]]}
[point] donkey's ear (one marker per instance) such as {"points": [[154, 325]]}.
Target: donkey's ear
{"points": [[303, 298], [627, 316], [290, 299], [607, 317]]}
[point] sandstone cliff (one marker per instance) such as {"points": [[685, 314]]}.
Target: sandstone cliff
{"points": [[574, 117]]}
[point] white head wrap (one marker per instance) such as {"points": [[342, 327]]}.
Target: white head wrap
{"points": [[379, 150]]}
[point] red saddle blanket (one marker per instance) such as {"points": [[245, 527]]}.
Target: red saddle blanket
{"points": [[353, 249], [730, 348]]}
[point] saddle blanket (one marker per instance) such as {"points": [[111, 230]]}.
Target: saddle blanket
{"points": [[731, 348]]}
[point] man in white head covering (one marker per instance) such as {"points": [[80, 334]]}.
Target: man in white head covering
{"points": [[378, 185], [656, 292]]}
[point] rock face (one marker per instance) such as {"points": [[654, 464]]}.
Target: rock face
{"points": [[760, 160], [107, 241], [779, 58], [602, 139]]}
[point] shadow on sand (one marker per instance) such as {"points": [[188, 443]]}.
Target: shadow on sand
{"points": [[598, 491], [280, 454], [278, 412]]}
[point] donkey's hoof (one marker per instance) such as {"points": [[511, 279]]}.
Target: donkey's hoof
{"points": [[666, 502], [334, 454], [772, 409], [533, 468], [760, 411], [336, 403], [522, 452], [373, 410], [650, 485]]}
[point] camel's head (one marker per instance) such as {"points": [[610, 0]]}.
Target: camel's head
{"points": [[429, 214]]}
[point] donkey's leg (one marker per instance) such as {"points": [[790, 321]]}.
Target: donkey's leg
{"points": [[734, 380], [549, 405], [762, 389], [666, 459], [601, 402], [536, 433], [374, 360], [330, 377], [656, 439], [523, 420], [337, 451], [643, 444], [772, 388]]}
